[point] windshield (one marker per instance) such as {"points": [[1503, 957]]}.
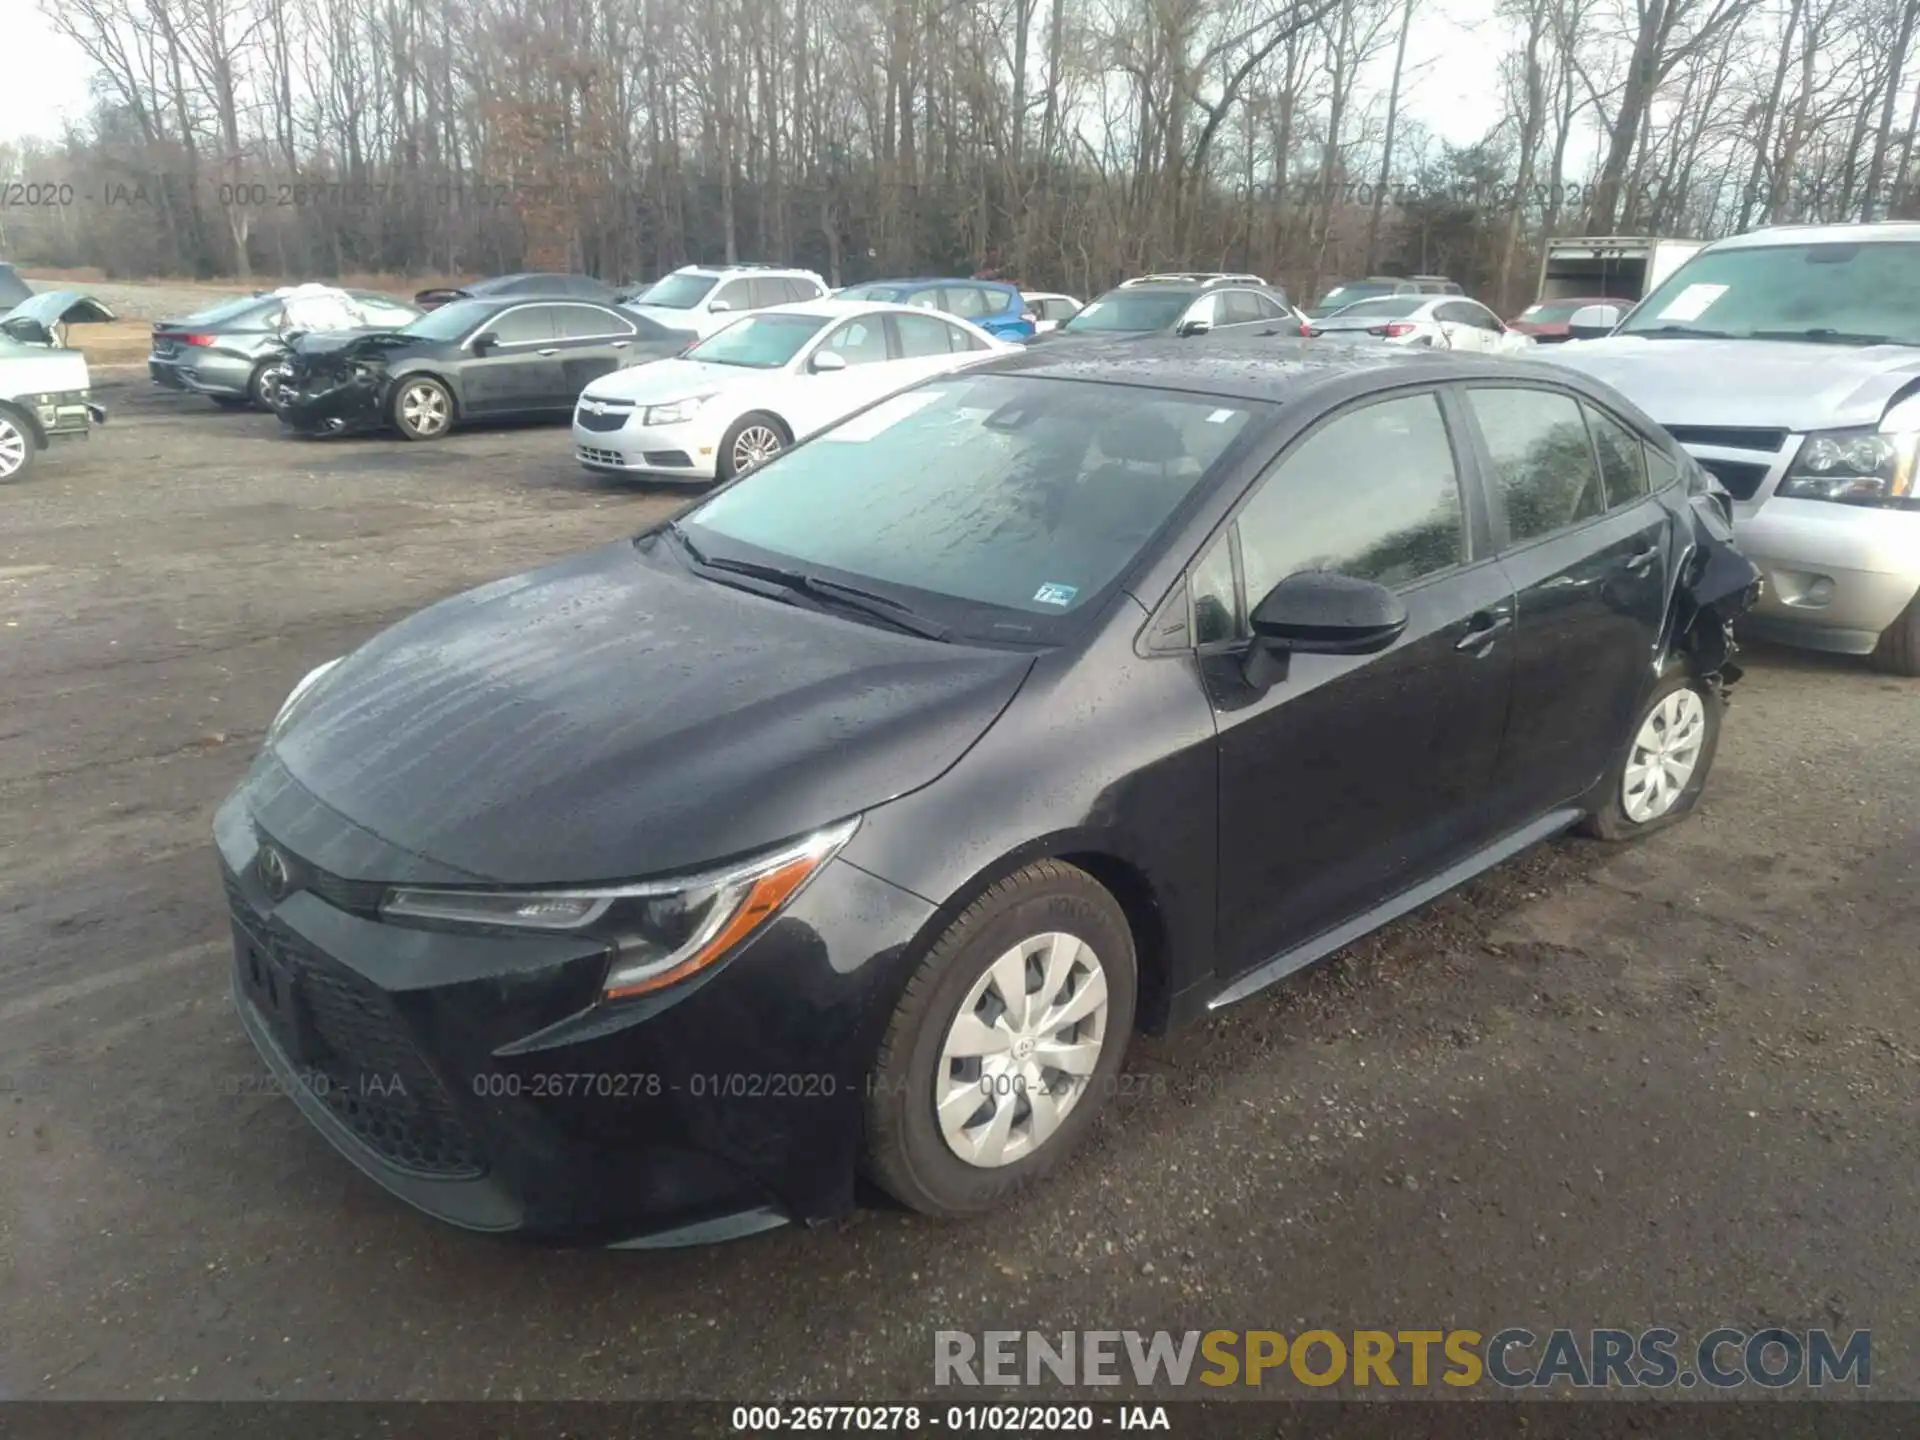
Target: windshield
{"points": [[759, 342], [1345, 295], [1387, 307], [1132, 310], [1009, 499], [452, 320], [677, 292], [885, 293], [1844, 293], [1556, 312]]}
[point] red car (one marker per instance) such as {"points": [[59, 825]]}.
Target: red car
{"points": [[1547, 321]]}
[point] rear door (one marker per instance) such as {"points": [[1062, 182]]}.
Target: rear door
{"points": [[593, 340], [1239, 307], [520, 373], [1588, 552], [1355, 776]]}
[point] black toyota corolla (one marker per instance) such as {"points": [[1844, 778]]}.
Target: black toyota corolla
{"points": [[852, 822]]}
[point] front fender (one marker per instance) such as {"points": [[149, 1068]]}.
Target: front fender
{"points": [[1717, 584]]}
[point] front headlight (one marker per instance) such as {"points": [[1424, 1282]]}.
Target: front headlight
{"points": [[1854, 467], [659, 932], [299, 698], [676, 413]]}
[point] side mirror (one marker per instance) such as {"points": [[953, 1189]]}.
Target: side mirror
{"points": [[826, 362], [1592, 322], [1319, 612], [484, 342], [1194, 327], [718, 306]]}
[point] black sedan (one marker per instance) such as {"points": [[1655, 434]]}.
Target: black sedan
{"points": [[853, 821], [469, 360], [1200, 305]]}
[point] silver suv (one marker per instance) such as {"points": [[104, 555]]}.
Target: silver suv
{"points": [[1787, 362], [706, 298]]}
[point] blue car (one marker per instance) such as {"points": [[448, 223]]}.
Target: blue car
{"points": [[997, 309]]}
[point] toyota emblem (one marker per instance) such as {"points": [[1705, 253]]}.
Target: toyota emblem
{"points": [[274, 874]]}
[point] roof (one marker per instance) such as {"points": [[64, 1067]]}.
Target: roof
{"points": [[1276, 366], [832, 307], [934, 280], [1852, 234]]}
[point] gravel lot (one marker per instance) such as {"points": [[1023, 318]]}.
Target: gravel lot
{"points": [[1672, 1084]]}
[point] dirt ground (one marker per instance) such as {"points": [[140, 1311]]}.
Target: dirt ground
{"points": [[1672, 1084]]}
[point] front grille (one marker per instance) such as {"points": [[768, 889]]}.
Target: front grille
{"points": [[1729, 437], [1740, 478], [365, 1069], [614, 420], [678, 459], [591, 456]]}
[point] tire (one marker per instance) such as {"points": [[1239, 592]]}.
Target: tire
{"points": [[1616, 819], [257, 385], [908, 1152], [729, 465], [422, 408], [18, 446], [1898, 652]]}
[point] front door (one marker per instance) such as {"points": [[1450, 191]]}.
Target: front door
{"points": [[1354, 777], [1588, 552], [821, 397], [520, 371]]}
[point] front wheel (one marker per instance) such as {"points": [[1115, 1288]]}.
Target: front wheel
{"points": [[750, 442], [17, 447], [422, 409], [1005, 1044], [1659, 776]]}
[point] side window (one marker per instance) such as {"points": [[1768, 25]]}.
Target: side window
{"points": [[859, 342], [1270, 309], [737, 293], [966, 301], [1661, 469], [524, 325], [1240, 307], [1216, 616], [924, 335], [1453, 314], [590, 322], [799, 289], [767, 291], [1482, 316], [1623, 458], [1542, 458], [960, 340], [1396, 519], [1206, 308]]}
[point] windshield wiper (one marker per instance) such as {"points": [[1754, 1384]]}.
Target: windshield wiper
{"points": [[1683, 332], [820, 589], [1826, 335]]}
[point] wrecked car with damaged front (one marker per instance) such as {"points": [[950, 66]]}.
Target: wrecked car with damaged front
{"points": [[467, 360]]}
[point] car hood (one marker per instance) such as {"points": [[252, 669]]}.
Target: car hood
{"points": [[61, 307], [1767, 383], [367, 343], [670, 379], [613, 717]]}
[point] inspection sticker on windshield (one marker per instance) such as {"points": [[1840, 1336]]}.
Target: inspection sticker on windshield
{"points": [[1220, 417], [1692, 302], [1051, 594]]}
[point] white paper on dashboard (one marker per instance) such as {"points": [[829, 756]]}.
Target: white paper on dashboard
{"points": [[1692, 302]]}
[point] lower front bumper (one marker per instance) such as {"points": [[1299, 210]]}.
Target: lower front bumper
{"points": [[1836, 575], [656, 454], [477, 1078]]}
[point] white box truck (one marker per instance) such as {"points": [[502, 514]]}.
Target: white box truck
{"points": [[1610, 267]]}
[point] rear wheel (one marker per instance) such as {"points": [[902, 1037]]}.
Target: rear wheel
{"points": [[1004, 1045], [17, 447], [261, 384], [1898, 652], [422, 409], [1659, 776]]}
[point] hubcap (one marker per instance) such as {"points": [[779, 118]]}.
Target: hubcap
{"points": [[1665, 754], [1022, 1050], [13, 450], [273, 383], [754, 446], [424, 409]]}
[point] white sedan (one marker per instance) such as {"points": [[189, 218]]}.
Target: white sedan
{"points": [[743, 395], [1439, 322]]}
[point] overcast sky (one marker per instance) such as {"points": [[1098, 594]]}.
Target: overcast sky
{"points": [[47, 75]]}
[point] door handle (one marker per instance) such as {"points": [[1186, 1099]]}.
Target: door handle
{"points": [[1638, 562], [550, 350], [619, 344], [1482, 629]]}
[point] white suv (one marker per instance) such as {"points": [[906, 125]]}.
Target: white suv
{"points": [[704, 298]]}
